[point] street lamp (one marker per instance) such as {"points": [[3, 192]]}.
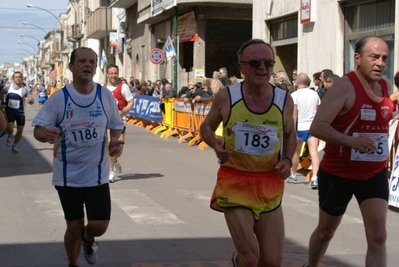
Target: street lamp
{"points": [[25, 35], [27, 23], [33, 6], [61, 32], [27, 45], [22, 54], [24, 50]]}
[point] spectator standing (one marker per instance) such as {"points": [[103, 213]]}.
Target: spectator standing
{"points": [[157, 89], [183, 92], [144, 87], [164, 81], [294, 77], [216, 75], [322, 90], [169, 92], [131, 85], [16, 96], [138, 90], [306, 102], [251, 203], [150, 87], [233, 80], [317, 81], [206, 92], [80, 168], [66, 82], [124, 100], [354, 123], [282, 81], [223, 76], [216, 86], [195, 90], [329, 81]]}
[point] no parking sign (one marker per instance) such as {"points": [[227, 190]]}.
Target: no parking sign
{"points": [[157, 56]]}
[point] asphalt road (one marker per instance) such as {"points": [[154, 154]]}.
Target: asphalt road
{"points": [[160, 211]]}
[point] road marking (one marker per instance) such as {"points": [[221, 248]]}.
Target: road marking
{"points": [[142, 209], [301, 199], [201, 195], [185, 264], [326, 262], [309, 207], [45, 201]]}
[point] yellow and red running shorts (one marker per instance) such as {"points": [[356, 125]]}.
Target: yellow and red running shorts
{"points": [[260, 192]]}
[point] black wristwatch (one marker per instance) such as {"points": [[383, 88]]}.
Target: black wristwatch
{"points": [[287, 158]]}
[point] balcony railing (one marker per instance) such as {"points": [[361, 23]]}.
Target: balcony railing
{"points": [[96, 24]]}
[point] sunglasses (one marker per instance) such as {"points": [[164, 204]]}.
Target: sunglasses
{"points": [[257, 62]]}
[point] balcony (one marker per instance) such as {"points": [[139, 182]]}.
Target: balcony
{"points": [[55, 50], [44, 64], [122, 3], [96, 26]]}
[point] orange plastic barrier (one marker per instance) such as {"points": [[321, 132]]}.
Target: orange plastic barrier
{"points": [[201, 109], [182, 120]]}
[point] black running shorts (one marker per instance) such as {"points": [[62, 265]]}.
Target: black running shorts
{"points": [[335, 192], [96, 199], [12, 117]]}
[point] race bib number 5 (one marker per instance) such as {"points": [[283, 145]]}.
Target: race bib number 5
{"points": [[255, 139], [381, 142]]}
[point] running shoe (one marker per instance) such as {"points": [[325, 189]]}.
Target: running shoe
{"points": [[117, 167], [111, 177], [14, 149], [89, 250], [313, 184], [9, 140], [3, 133], [292, 179], [234, 259]]}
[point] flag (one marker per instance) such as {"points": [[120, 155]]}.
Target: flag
{"points": [[168, 49]]}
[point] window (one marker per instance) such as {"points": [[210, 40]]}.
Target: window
{"points": [[370, 18]]}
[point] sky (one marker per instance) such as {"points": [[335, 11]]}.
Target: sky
{"points": [[13, 13]]}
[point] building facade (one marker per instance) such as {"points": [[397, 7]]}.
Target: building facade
{"points": [[310, 35], [307, 35]]}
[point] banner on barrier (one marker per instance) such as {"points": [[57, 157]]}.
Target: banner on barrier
{"points": [[394, 182], [183, 107], [201, 109], [146, 108]]}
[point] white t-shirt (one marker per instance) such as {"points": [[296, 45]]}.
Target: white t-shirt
{"points": [[81, 155], [125, 91], [307, 101]]}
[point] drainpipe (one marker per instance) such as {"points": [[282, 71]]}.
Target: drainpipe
{"points": [[176, 38], [106, 38]]}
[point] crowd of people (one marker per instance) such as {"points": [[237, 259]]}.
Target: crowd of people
{"points": [[266, 120], [192, 92]]}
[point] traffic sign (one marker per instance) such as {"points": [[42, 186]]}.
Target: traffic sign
{"points": [[157, 56]]}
